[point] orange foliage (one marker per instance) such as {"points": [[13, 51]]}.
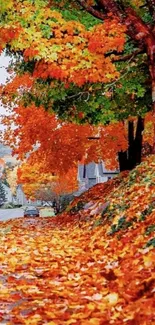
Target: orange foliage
{"points": [[84, 59], [66, 183], [69, 51], [149, 128], [33, 178], [8, 34], [62, 145]]}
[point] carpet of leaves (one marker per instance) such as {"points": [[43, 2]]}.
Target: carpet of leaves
{"points": [[92, 265]]}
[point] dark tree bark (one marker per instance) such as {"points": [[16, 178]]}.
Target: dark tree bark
{"points": [[138, 140], [130, 153], [123, 161], [132, 157]]}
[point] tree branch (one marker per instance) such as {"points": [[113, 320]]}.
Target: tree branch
{"points": [[112, 7], [92, 11], [126, 57], [108, 86], [119, 11]]}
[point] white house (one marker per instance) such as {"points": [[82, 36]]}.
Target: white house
{"points": [[21, 198], [92, 174], [8, 194]]}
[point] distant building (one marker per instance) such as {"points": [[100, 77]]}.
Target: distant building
{"points": [[92, 174], [20, 196], [4, 150], [8, 194]]}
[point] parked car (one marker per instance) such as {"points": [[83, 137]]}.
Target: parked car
{"points": [[31, 212]]}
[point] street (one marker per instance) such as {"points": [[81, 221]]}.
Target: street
{"points": [[6, 214]]}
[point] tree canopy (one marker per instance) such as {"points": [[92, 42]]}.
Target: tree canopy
{"points": [[85, 61], [66, 49]]}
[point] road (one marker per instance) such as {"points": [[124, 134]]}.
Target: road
{"points": [[6, 214]]}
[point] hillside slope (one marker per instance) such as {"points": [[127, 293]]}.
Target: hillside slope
{"points": [[121, 204]]}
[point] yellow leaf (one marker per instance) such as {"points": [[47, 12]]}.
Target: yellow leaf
{"points": [[112, 298], [148, 260]]}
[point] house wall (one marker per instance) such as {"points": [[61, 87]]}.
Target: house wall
{"points": [[21, 199], [106, 177], [92, 182], [8, 194], [95, 173]]}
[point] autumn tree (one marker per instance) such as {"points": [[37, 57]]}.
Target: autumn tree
{"points": [[45, 186], [34, 178], [45, 194], [66, 183], [60, 190], [82, 69], [58, 146]]}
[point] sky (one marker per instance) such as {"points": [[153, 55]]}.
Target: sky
{"points": [[4, 62]]}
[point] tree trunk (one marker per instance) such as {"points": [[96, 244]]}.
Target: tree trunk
{"points": [[138, 140], [132, 157], [130, 152], [151, 58], [123, 161]]}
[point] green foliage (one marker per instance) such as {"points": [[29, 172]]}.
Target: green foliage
{"points": [[73, 11], [150, 229], [130, 95], [133, 176], [122, 225], [80, 205], [151, 242], [65, 200], [97, 223], [147, 211]]}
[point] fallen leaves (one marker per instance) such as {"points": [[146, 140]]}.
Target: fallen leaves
{"points": [[63, 271]]}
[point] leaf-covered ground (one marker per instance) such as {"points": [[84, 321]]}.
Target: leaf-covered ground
{"points": [[92, 265]]}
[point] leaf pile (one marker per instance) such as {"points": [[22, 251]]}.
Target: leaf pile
{"points": [[92, 265]]}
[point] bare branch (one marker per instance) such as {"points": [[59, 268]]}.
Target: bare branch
{"points": [[79, 95], [126, 57], [108, 86], [92, 11]]}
